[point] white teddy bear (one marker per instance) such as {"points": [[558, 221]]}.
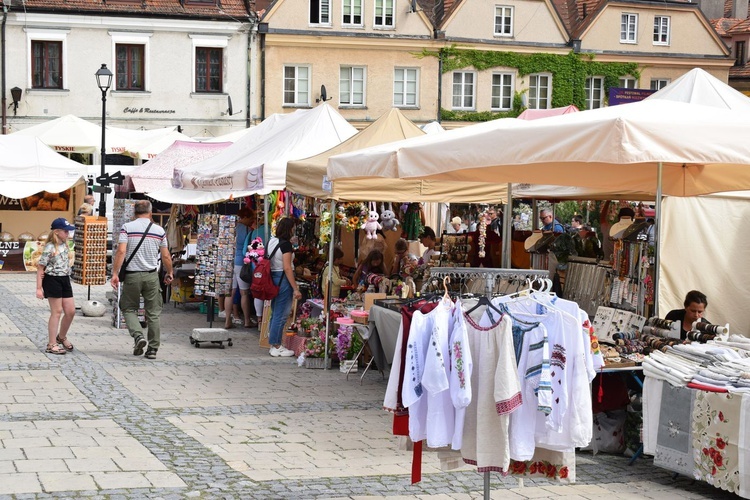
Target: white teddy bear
{"points": [[390, 222], [372, 225]]}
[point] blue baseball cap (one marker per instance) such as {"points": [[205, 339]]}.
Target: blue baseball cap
{"points": [[62, 223]]}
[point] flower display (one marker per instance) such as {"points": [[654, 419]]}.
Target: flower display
{"points": [[483, 218], [316, 346], [352, 215], [347, 343], [325, 228]]}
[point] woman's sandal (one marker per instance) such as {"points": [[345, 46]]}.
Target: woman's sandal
{"points": [[55, 349], [65, 343]]}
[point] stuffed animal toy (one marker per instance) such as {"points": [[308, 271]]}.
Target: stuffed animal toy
{"points": [[389, 221], [372, 225], [255, 251]]}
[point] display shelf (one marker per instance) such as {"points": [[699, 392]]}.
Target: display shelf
{"points": [[215, 254], [90, 241]]}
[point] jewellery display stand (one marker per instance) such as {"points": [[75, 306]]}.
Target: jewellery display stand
{"points": [[587, 283], [491, 279], [455, 249], [90, 240]]}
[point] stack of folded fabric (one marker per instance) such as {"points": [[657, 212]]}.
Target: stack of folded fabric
{"points": [[676, 370]]}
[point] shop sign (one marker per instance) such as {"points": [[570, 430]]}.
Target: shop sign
{"points": [[149, 111], [246, 180], [623, 96], [24, 255]]}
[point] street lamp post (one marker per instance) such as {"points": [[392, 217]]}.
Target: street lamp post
{"points": [[104, 81]]}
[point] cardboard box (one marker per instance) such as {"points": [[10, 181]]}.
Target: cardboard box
{"points": [[370, 299]]}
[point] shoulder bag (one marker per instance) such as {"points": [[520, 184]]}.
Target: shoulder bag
{"points": [[121, 275]]}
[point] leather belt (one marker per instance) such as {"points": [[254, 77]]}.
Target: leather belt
{"points": [[131, 272]]}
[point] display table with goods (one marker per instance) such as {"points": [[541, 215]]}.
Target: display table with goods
{"points": [[696, 409], [90, 240]]}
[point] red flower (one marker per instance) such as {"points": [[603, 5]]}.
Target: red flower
{"points": [[563, 472], [551, 470], [711, 452], [721, 416], [713, 471], [718, 460], [517, 467], [705, 451], [532, 468], [541, 467], [720, 443]]}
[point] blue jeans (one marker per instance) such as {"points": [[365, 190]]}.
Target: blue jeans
{"points": [[281, 306]]}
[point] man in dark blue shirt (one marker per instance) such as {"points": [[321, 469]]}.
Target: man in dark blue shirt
{"points": [[550, 223]]}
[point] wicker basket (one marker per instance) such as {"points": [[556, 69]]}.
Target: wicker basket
{"points": [[363, 320], [319, 363]]}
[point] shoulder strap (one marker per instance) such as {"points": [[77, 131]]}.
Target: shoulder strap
{"points": [[125, 265], [278, 245]]}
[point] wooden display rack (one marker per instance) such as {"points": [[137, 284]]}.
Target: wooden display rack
{"points": [[90, 240]]}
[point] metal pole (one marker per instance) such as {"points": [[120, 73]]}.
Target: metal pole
{"points": [[2, 105], [507, 219], [327, 303], [103, 194], [657, 238]]}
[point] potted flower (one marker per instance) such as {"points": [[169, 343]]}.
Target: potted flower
{"points": [[348, 344], [315, 350]]}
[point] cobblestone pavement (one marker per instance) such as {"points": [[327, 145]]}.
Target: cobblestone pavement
{"points": [[223, 423]]}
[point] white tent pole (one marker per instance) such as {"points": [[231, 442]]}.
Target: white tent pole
{"points": [[507, 218], [329, 287], [657, 238]]}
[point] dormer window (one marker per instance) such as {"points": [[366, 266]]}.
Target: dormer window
{"points": [[320, 12], [503, 20]]}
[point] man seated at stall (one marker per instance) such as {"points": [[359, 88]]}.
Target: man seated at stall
{"points": [[695, 306]]}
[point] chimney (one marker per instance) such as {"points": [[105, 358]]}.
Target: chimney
{"points": [[714, 9], [739, 9]]}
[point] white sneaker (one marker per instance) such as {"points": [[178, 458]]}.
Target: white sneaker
{"points": [[222, 314], [285, 352], [274, 351]]}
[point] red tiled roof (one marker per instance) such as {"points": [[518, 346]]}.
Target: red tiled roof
{"points": [[739, 72], [740, 28], [222, 9], [724, 24]]}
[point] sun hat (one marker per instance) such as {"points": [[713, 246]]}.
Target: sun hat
{"points": [[62, 223]]}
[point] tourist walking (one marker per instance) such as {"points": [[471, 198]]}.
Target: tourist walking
{"points": [[139, 247], [53, 284]]}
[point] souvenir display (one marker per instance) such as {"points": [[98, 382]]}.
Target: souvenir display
{"points": [[215, 254], [90, 241]]}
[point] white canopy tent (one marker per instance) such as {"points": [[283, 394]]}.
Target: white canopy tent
{"points": [[28, 166], [147, 144], [256, 164], [70, 134], [157, 174]]}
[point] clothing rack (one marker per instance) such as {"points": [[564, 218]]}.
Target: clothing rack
{"points": [[490, 275]]}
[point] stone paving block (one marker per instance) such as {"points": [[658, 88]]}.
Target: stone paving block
{"points": [[66, 481], [96, 452], [43, 465], [16, 483], [160, 479], [47, 452], [25, 442], [531, 492], [7, 467], [10, 454], [91, 464], [134, 464], [115, 480]]}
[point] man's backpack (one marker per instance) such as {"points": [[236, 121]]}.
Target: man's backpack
{"points": [[263, 287]]}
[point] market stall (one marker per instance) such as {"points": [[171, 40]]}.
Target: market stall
{"points": [[38, 186]]}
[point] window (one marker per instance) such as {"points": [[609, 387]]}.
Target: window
{"points": [[661, 30], [628, 82], [352, 13], [384, 14], [129, 67], [659, 83], [352, 86], [463, 90], [594, 88], [540, 91], [739, 53], [296, 85], [46, 71], [208, 65], [405, 85], [502, 91], [628, 28], [320, 12], [503, 21]]}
